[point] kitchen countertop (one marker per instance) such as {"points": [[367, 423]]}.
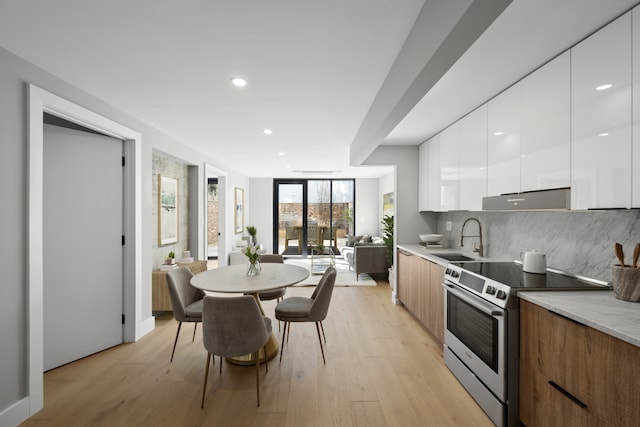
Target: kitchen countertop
{"points": [[600, 310]]}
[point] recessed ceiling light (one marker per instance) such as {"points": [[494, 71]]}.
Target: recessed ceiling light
{"points": [[281, 153], [604, 134], [268, 131], [604, 87], [239, 81], [499, 133]]}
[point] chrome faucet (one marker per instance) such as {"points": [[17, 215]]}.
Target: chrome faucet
{"points": [[478, 248]]}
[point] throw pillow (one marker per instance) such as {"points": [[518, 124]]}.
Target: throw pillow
{"points": [[366, 238], [351, 241], [377, 240]]}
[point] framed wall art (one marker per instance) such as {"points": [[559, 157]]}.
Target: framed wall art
{"points": [[167, 210], [239, 210]]}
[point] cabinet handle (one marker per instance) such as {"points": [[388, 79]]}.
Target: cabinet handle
{"points": [[567, 394]]}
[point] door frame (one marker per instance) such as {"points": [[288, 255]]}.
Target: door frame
{"points": [[39, 102], [305, 207]]}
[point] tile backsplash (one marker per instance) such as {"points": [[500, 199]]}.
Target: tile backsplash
{"points": [[581, 242]]}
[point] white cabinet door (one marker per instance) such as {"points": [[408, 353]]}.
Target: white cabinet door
{"points": [[503, 142], [433, 173], [449, 166], [546, 126], [423, 177], [635, 169], [473, 159], [601, 118]]}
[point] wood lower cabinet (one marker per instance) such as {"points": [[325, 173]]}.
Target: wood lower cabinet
{"points": [[420, 291], [574, 375]]}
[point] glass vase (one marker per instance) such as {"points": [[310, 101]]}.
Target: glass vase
{"points": [[254, 268]]}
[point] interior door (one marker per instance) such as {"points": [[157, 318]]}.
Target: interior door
{"points": [[83, 277]]}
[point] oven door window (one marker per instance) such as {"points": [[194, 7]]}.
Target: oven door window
{"points": [[477, 330]]}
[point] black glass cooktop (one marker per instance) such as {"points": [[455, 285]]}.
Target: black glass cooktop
{"points": [[511, 274]]}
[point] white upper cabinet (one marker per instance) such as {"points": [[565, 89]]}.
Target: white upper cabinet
{"points": [[635, 171], [503, 142], [601, 118], [433, 173], [545, 161], [473, 159], [449, 168], [423, 177], [429, 175]]}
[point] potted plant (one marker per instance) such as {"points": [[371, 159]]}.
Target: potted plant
{"points": [[171, 258], [387, 236], [252, 232]]}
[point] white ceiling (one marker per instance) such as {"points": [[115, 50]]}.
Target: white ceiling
{"points": [[314, 68]]}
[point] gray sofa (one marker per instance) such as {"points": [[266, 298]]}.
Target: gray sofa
{"points": [[365, 256]]}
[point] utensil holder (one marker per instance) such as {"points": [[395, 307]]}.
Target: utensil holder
{"points": [[626, 283]]}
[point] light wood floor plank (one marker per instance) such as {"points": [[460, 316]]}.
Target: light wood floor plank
{"points": [[383, 369]]}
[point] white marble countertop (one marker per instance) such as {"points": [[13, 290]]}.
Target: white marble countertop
{"points": [[600, 310]]}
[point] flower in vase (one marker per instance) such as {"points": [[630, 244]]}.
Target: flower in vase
{"points": [[253, 253]]}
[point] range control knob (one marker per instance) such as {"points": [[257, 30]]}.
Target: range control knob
{"points": [[448, 272], [501, 295], [455, 274], [491, 290]]}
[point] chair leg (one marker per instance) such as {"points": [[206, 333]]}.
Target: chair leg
{"points": [[195, 326], [176, 341], [206, 375], [220, 365], [266, 360], [323, 336], [257, 356], [284, 334], [320, 340]]}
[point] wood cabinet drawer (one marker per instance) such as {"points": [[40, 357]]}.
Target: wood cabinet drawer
{"points": [[546, 404], [556, 347], [564, 364]]}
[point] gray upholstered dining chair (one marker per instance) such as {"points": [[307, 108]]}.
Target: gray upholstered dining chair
{"points": [[232, 327], [186, 300], [303, 309], [278, 293]]}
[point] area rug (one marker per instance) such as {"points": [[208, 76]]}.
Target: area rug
{"points": [[345, 277]]}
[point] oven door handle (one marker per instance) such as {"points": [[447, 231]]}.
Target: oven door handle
{"points": [[472, 301]]}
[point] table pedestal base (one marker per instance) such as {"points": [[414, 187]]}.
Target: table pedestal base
{"points": [[272, 350]]}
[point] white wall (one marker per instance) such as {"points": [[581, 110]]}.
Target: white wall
{"points": [[261, 212], [15, 73], [368, 207], [408, 221]]}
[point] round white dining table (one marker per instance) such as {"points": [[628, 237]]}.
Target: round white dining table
{"points": [[234, 279]]}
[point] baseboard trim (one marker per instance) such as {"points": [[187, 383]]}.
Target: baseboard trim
{"points": [[146, 327], [15, 414]]}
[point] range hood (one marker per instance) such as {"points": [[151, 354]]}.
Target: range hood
{"points": [[556, 199]]}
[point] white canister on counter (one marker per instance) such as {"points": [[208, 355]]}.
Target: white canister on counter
{"points": [[534, 262]]}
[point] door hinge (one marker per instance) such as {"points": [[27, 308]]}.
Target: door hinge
{"points": [[123, 162], [123, 240], [123, 319]]}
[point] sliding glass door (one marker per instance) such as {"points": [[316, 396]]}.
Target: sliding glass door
{"points": [[313, 212]]}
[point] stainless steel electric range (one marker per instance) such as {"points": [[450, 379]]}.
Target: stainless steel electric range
{"points": [[482, 322]]}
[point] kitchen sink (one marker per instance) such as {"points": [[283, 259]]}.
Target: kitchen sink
{"points": [[455, 257]]}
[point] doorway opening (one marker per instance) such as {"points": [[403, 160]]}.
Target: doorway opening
{"points": [[213, 230]]}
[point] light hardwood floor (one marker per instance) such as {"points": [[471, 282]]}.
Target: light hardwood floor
{"points": [[383, 369]]}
